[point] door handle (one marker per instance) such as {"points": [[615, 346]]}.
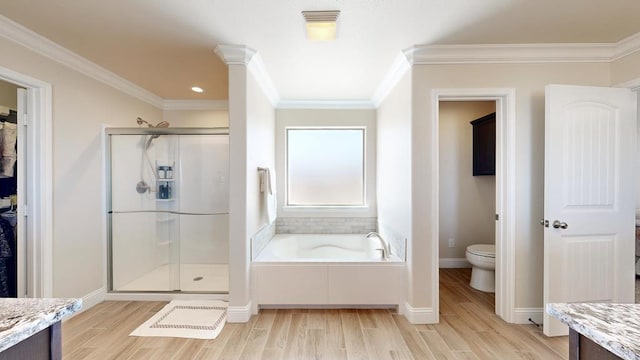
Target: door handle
{"points": [[559, 225], [544, 222]]}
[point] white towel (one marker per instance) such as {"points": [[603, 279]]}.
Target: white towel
{"points": [[268, 188]]}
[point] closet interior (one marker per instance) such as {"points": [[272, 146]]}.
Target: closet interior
{"points": [[8, 201]]}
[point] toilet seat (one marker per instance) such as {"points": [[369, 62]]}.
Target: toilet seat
{"points": [[484, 250]]}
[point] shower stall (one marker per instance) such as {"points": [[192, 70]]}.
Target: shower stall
{"points": [[167, 209]]}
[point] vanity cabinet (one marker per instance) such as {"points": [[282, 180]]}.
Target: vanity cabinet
{"points": [[582, 348]]}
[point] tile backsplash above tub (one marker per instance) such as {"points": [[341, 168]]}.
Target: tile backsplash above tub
{"points": [[260, 239], [325, 225], [396, 240]]}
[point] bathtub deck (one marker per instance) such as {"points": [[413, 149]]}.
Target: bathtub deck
{"points": [[468, 329]]}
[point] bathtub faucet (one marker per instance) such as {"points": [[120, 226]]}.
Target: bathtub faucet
{"points": [[386, 249]]}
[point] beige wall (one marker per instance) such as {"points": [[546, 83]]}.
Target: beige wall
{"points": [[8, 95], [528, 80], [81, 106], [196, 118], [625, 69], [467, 202], [316, 117]]}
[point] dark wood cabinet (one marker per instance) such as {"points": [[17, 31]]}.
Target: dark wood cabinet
{"points": [[45, 344], [484, 145], [582, 348]]}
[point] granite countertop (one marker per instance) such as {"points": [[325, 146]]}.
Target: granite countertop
{"points": [[615, 327], [21, 318]]}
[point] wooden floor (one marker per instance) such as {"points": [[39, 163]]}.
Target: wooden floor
{"points": [[468, 329]]}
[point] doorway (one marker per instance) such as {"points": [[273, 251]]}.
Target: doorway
{"points": [[12, 264], [34, 183], [505, 191]]}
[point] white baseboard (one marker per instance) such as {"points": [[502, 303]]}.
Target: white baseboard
{"points": [[163, 297], [90, 300], [454, 263], [94, 298], [239, 314], [419, 315], [522, 315]]}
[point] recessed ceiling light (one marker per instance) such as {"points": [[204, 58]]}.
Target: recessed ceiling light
{"points": [[197, 89], [321, 25]]}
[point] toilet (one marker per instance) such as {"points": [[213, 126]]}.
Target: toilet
{"points": [[483, 262]]}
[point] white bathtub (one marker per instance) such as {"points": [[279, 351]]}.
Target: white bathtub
{"points": [[326, 270], [322, 248]]}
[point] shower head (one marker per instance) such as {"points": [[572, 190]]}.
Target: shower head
{"points": [[161, 124], [141, 121]]}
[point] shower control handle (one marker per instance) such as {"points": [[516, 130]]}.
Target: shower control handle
{"points": [[559, 225]]}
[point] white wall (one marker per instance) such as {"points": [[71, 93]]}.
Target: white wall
{"points": [[81, 105], [196, 118], [325, 117], [251, 128], [394, 167], [467, 202], [529, 81], [260, 152]]}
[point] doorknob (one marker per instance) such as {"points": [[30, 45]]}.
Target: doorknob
{"points": [[544, 222], [560, 225]]}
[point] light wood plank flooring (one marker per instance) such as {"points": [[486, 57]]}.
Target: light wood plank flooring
{"points": [[468, 329]]}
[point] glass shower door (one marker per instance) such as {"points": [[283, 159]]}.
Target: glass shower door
{"points": [[169, 222], [204, 219], [145, 229]]}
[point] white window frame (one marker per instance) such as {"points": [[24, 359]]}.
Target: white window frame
{"points": [[364, 204]]}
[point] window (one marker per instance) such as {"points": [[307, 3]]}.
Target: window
{"points": [[325, 166]]}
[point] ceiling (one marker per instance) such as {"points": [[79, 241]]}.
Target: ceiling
{"points": [[166, 46]]}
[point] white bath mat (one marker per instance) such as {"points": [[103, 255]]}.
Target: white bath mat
{"points": [[186, 319]]}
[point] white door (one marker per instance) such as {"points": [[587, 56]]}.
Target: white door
{"points": [[589, 197]]}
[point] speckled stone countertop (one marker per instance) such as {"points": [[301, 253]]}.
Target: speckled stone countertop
{"points": [[615, 327], [21, 318]]}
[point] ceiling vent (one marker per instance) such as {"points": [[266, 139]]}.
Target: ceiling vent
{"points": [[321, 25]]}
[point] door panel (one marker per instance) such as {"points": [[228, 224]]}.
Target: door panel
{"points": [[589, 152]]}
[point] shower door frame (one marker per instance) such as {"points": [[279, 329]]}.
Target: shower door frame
{"points": [[109, 206]]}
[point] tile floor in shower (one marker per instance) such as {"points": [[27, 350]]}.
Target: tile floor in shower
{"points": [[193, 278]]}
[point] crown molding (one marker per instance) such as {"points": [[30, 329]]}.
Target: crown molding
{"points": [[244, 55], [509, 53], [257, 68], [631, 84], [235, 54], [626, 46], [326, 104], [20, 35], [195, 105], [399, 67]]}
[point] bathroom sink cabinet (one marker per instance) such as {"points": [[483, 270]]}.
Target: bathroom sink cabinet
{"points": [[582, 348]]}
